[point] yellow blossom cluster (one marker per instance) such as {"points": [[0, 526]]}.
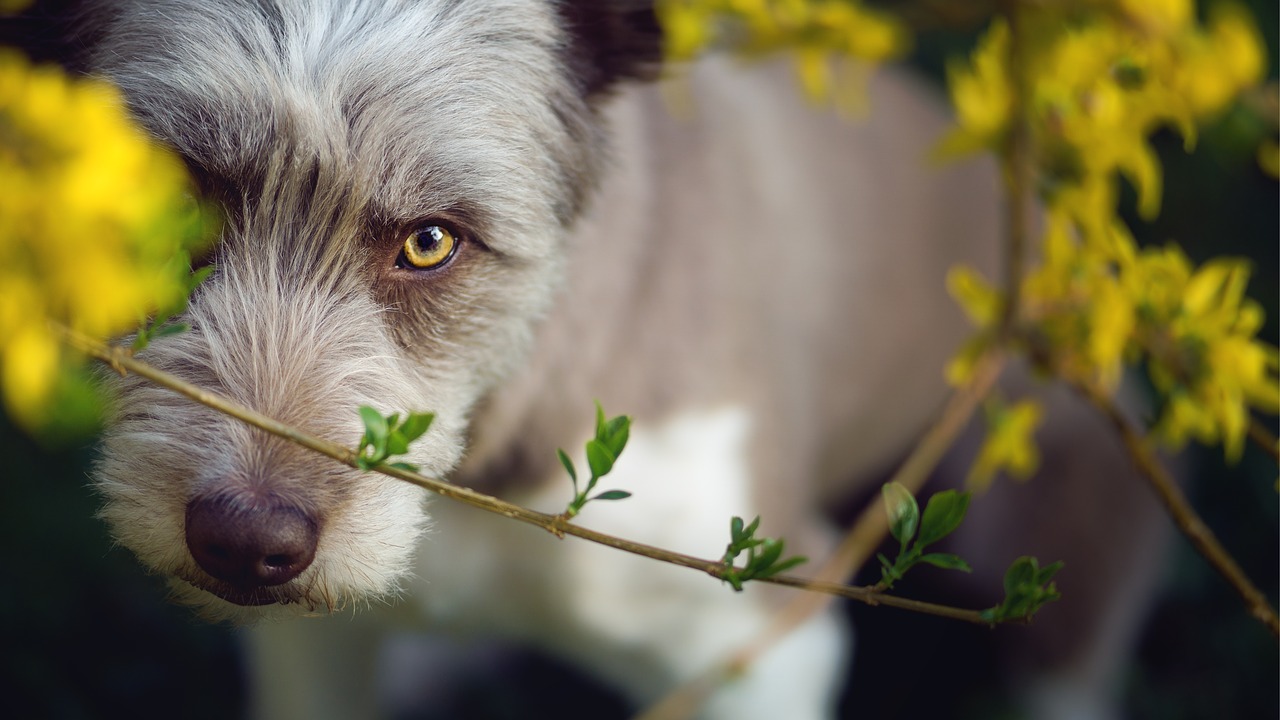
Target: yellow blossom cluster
{"points": [[1098, 78], [95, 221], [818, 34], [1090, 81], [1087, 311]]}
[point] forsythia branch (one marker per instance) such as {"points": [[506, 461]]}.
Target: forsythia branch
{"points": [[1019, 174], [1264, 439], [122, 361], [1184, 516]]}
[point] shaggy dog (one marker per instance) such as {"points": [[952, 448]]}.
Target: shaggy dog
{"points": [[465, 207]]}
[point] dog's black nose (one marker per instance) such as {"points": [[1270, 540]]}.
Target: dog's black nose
{"points": [[250, 540]]}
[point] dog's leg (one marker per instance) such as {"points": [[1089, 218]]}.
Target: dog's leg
{"points": [[314, 668]]}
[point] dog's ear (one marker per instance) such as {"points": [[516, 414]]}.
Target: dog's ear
{"points": [[610, 41]]}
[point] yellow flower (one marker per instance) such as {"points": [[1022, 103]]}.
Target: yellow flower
{"points": [[73, 166], [814, 71], [982, 94], [1010, 444], [1111, 323], [980, 300], [12, 7], [1159, 16], [1269, 158], [1237, 44], [816, 32], [1215, 66], [29, 361]]}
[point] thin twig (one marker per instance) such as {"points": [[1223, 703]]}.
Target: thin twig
{"points": [[1263, 438], [1019, 170], [1180, 509], [864, 536], [871, 527], [122, 360]]}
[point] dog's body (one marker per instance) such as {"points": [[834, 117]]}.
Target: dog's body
{"points": [[758, 283]]}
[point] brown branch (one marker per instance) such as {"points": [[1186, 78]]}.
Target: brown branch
{"points": [[1263, 438], [1180, 509], [1017, 163], [864, 536], [123, 361]]}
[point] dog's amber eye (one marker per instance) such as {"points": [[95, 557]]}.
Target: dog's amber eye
{"points": [[429, 247]]}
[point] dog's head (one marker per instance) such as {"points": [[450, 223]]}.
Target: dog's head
{"points": [[397, 179]]}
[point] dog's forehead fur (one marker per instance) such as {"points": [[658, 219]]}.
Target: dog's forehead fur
{"points": [[411, 108]]}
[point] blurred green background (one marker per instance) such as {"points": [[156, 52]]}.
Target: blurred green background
{"points": [[85, 633]]}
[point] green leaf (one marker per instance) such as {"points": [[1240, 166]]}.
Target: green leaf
{"points": [[612, 495], [1026, 590], [1022, 572], [197, 277], [568, 466], [1018, 604], [942, 515], [902, 510], [946, 561], [375, 425], [735, 528], [1047, 572], [770, 553], [784, 566], [599, 458], [409, 467], [169, 329], [375, 436], [416, 425], [396, 443], [615, 435], [599, 420], [734, 579]]}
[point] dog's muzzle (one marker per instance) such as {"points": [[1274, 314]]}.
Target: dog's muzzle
{"points": [[250, 542]]}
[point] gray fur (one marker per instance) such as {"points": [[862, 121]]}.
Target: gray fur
{"points": [[327, 130]]}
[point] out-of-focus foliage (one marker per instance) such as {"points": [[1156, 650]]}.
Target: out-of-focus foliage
{"points": [[1099, 78], [95, 225], [1090, 82], [1010, 445], [832, 41]]}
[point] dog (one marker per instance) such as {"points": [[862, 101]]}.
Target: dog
{"points": [[486, 209]]}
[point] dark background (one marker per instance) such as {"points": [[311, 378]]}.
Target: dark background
{"points": [[85, 633]]}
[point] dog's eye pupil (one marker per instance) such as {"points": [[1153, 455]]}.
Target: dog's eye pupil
{"points": [[429, 247]]}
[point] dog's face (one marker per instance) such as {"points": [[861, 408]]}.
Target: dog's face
{"points": [[397, 179]]}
